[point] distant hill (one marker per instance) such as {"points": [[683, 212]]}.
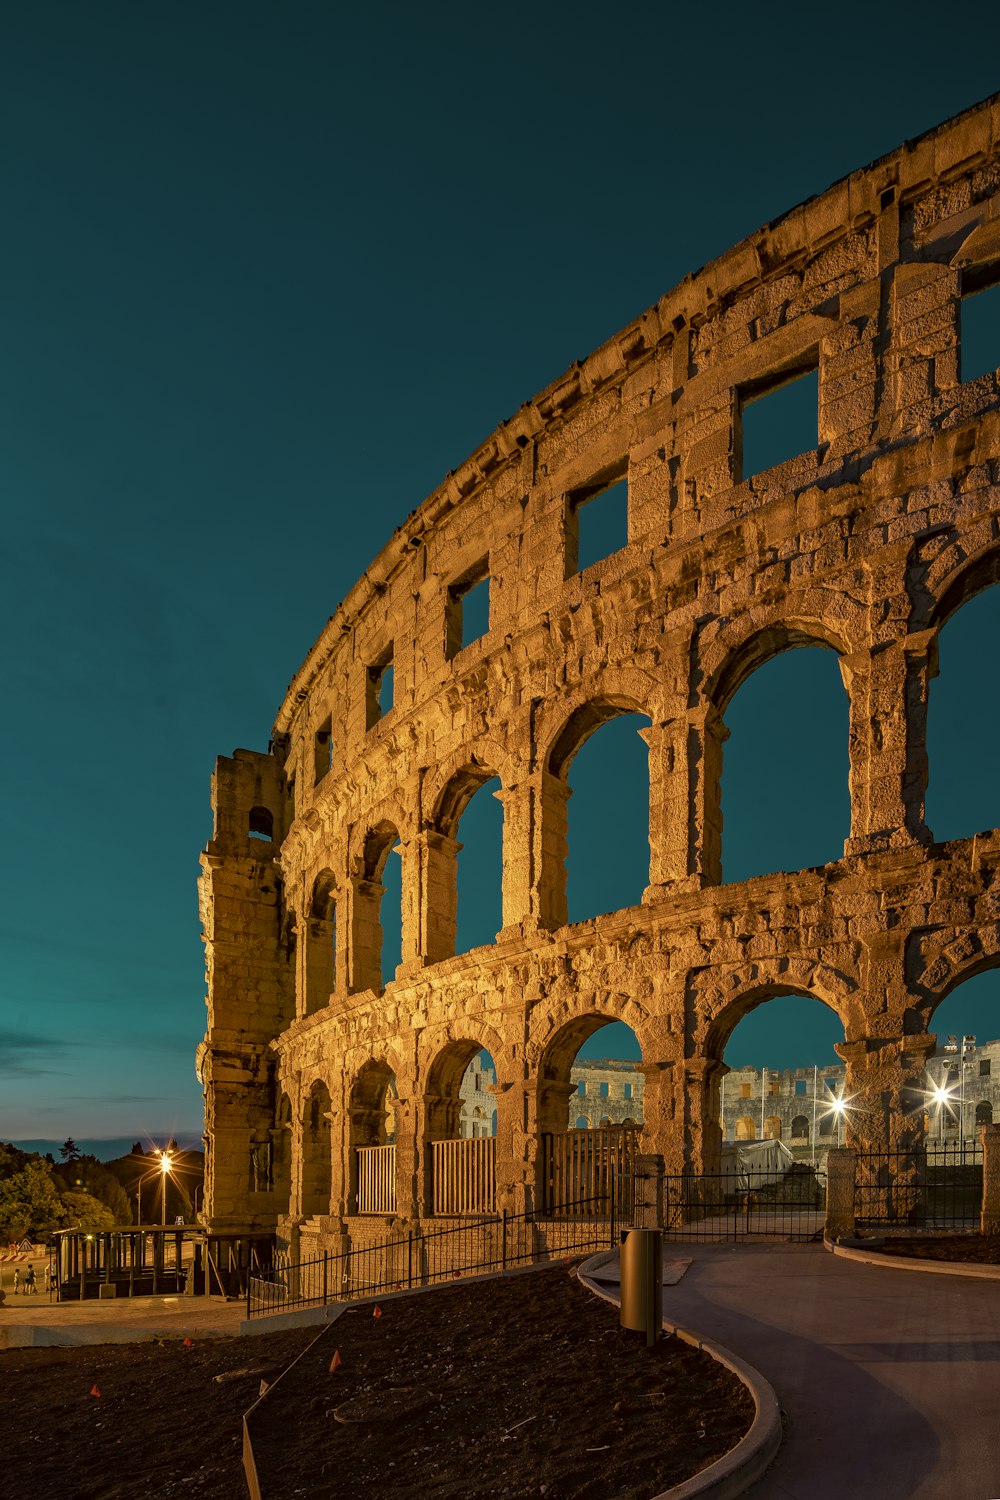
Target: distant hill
{"points": [[109, 1149]]}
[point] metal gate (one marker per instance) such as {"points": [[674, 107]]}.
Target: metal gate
{"points": [[751, 1203]]}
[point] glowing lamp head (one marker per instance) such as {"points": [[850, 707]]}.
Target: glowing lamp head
{"points": [[165, 1162]]}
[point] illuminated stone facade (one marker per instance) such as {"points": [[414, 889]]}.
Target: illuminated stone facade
{"points": [[866, 543]]}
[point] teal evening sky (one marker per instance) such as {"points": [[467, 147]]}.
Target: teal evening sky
{"points": [[268, 273]]}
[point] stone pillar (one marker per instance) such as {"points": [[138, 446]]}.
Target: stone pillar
{"points": [[668, 806], [515, 1161], [706, 735], [435, 857], [888, 718], [884, 1077], [703, 1135], [840, 1170], [534, 853], [662, 1126], [365, 949], [990, 1221], [410, 1169], [648, 1192]]}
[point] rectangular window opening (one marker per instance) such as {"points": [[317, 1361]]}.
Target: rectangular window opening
{"points": [[774, 1086], [581, 1088], [628, 1091], [322, 751], [468, 609], [776, 421], [984, 1067], [596, 523], [379, 688], [800, 1086], [979, 331], [746, 1090], [603, 1090]]}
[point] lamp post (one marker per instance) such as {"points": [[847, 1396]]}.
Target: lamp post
{"points": [[166, 1162]]}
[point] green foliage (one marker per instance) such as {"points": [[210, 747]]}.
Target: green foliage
{"points": [[12, 1160], [83, 1211], [29, 1203], [87, 1175]]}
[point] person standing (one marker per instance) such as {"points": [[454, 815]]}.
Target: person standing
{"points": [[29, 1281], [17, 1280]]}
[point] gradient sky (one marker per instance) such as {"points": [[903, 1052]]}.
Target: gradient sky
{"points": [[268, 273]]}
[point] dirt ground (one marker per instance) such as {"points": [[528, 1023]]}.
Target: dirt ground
{"points": [[524, 1386], [984, 1249]]}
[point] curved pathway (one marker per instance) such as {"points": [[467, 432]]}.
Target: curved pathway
{"points": [[889, 1381]]}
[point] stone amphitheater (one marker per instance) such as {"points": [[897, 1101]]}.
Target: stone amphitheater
{"points": [[866, 544]]}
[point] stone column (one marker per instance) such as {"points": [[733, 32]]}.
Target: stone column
{"points": [[410, 1169], [840, 1169], [888, 719], [649, 1192], [365, 949], [668, 806], [534, 853], [990, 1221], [435, 865], [662, 1126], [706, 735], [703, 1133]]}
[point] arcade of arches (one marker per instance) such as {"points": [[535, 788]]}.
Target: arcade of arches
{"points": [[866, 544]]}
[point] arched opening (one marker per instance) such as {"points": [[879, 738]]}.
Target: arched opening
{"points": [[316, 1152], [963, 721], [591, 1057], [784, 1080], [964, 1072], [321, 944], [371, 1136], [383, 935], [984, 1112], [468, 889], [459, 1144], [604, 762], [261, 824], [787, 717]]}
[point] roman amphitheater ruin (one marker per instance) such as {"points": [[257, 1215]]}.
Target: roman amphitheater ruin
{"points": [[865, 544]]}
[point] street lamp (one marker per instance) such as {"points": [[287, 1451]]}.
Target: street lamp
{"points": [[963, 1049], [839, 1108], [166, 1162]]}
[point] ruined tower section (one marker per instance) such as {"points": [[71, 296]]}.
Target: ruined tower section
{"points": [[250, 988]]}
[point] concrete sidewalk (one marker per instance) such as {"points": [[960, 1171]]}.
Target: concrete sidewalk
{"points": [[890, 1381], [35, 1322]]}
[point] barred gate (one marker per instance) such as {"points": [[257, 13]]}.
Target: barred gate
{"points": [[376, 1179], [753, 1202], [593, 1165], [934, 1187], [463, 1176]]}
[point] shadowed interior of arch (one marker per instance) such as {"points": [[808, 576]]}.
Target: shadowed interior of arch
{"points": [[963, 724], [391, 913], [607, 864], [785, 790]]}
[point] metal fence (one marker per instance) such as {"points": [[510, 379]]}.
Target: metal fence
{"points": [[747, 1203], [596, 1165], [463, 1173], [418, 1258], [934, 1187]]}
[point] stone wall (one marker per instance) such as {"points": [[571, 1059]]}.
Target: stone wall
{"points": [[866, 543]]}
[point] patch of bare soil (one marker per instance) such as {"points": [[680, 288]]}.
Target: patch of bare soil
{"points": [[983, 1249], [518, 1387], [522, 1386]]}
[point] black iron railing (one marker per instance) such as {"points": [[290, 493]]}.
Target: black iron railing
{"points": [[746, 1202], [933, 1187], [421, 1257]]}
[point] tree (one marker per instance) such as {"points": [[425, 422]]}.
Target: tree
{"points": [[69, 1151], [29, 1203], [84, 1211], [88, 1175]]}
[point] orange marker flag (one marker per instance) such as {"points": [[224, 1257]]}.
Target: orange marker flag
{"points": [[187, 1343], [335, 1362], [95, 1390], [377, 1312]]}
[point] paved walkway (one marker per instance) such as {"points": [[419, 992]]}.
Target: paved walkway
{"points": [[35, 1322], [889, 1380]]}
